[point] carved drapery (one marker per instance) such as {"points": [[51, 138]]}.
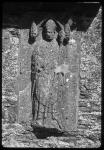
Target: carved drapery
{"points": [[54, 72]]}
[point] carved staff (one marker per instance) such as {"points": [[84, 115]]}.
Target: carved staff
{"points": [[33, 83], [32, 97], [61, 33]]}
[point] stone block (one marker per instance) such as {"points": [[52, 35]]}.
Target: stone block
{"points": [[25, 105]]}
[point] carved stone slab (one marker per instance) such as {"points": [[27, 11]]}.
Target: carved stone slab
{"points": [[24, 79], [25, 105], [57, 84], [68, 86], [69, 93]]}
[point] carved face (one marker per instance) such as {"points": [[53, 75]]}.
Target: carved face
{"points": [[67, 30], [34, 30], [50, 29], [50, 34]]}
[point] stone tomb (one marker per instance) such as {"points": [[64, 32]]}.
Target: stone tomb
{"points": [[68, 88]]}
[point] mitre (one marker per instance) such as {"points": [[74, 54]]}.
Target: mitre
{"points": [[50, 24]]}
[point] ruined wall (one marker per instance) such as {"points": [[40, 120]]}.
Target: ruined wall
{"points": [[90, 67], [90, 82], [89, 114], [16, 86], [10, 70], [90, 71]]}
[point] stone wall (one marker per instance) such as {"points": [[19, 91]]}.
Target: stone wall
{"points": [[15, 49], [89, 121], [10, 70], [89, 112], [16, 70], [90, 66]]}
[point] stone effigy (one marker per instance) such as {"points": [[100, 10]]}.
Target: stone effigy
{"points": [[24, 74], [49, 76], [54, 79], [44, 60]]}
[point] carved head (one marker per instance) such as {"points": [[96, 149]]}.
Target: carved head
{"points": [[67, 27], [50, 27], [33, 30]]}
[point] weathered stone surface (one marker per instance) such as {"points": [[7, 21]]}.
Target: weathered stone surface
{"points": [[45, 56], [89, 120], [56, 74], [70, 87], [25, 105], [10, 49], [24, 78]]}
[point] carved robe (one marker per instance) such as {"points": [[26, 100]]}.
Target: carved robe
{"points": [[54, 79], [44, 61], [55, 72]]}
